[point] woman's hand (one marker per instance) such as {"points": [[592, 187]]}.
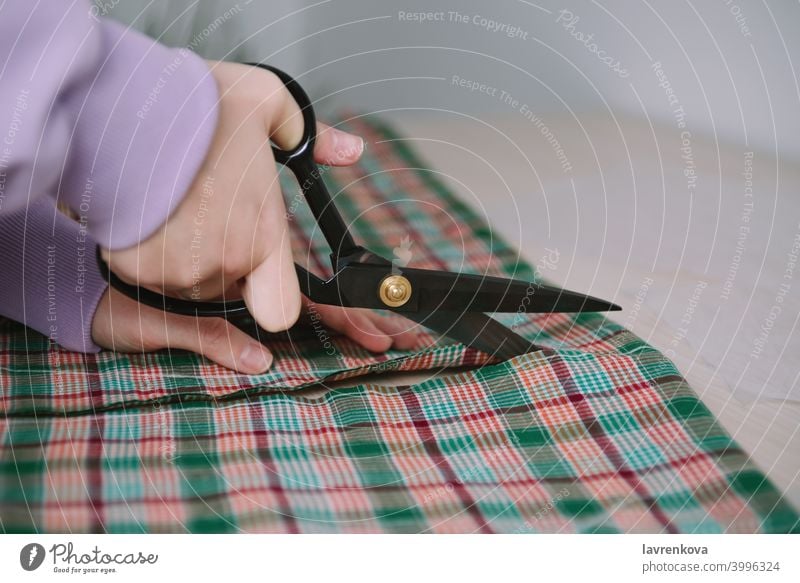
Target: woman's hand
{"points": [[125, 325], [230, 232]]}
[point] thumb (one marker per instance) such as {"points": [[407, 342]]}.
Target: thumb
{"points": [[272, 292], [220, 341], [285, 125]]}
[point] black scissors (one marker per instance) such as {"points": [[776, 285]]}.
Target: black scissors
{"points": [[452, 304]]}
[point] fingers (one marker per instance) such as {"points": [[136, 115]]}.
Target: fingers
{"points": [[378, 333], [285, 125], [219, 341], [372, 331], [362, 328], [332, 147], [125, 325], [337, 148], [404, 333]]}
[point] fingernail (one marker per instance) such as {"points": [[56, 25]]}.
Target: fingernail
{"points": [[255, 358], [347, 145]]}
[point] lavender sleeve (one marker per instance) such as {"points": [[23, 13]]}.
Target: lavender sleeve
{"points": [[112, 123], [100, 118], [50, 281]]}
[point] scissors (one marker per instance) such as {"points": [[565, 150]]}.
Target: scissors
{"points": [[449, 303]]}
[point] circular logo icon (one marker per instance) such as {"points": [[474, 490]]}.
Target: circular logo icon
{"points": [[31, 556]]}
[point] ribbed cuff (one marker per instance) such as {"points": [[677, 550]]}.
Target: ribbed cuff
{"points": [[52, 281], [144, 125]]}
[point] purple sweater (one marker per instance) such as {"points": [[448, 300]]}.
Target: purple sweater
{"points": [[104, 120]]}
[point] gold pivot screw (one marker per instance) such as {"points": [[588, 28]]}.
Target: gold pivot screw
{"points": [[395, 290]]}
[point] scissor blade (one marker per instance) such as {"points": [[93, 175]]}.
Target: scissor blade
{"points": [[443, 290], [477, 330], [317, 289], [357, 285]]}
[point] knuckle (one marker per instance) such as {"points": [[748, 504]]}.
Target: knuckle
{"points": [[234, 265], [182, 278], [213, 334], [263, 89], [271, 85]]}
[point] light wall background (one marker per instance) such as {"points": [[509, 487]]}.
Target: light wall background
{"points": [[732, 64]]}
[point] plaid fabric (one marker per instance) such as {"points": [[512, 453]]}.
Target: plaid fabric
{"points": [[596, 432]]}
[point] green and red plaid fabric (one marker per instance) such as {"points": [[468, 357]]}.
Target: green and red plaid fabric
{"points": [[595, 432]]}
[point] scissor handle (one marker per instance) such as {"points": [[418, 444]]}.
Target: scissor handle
{"points": [[235, 311], [300, 160], [305, 148], [228, 309]]}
